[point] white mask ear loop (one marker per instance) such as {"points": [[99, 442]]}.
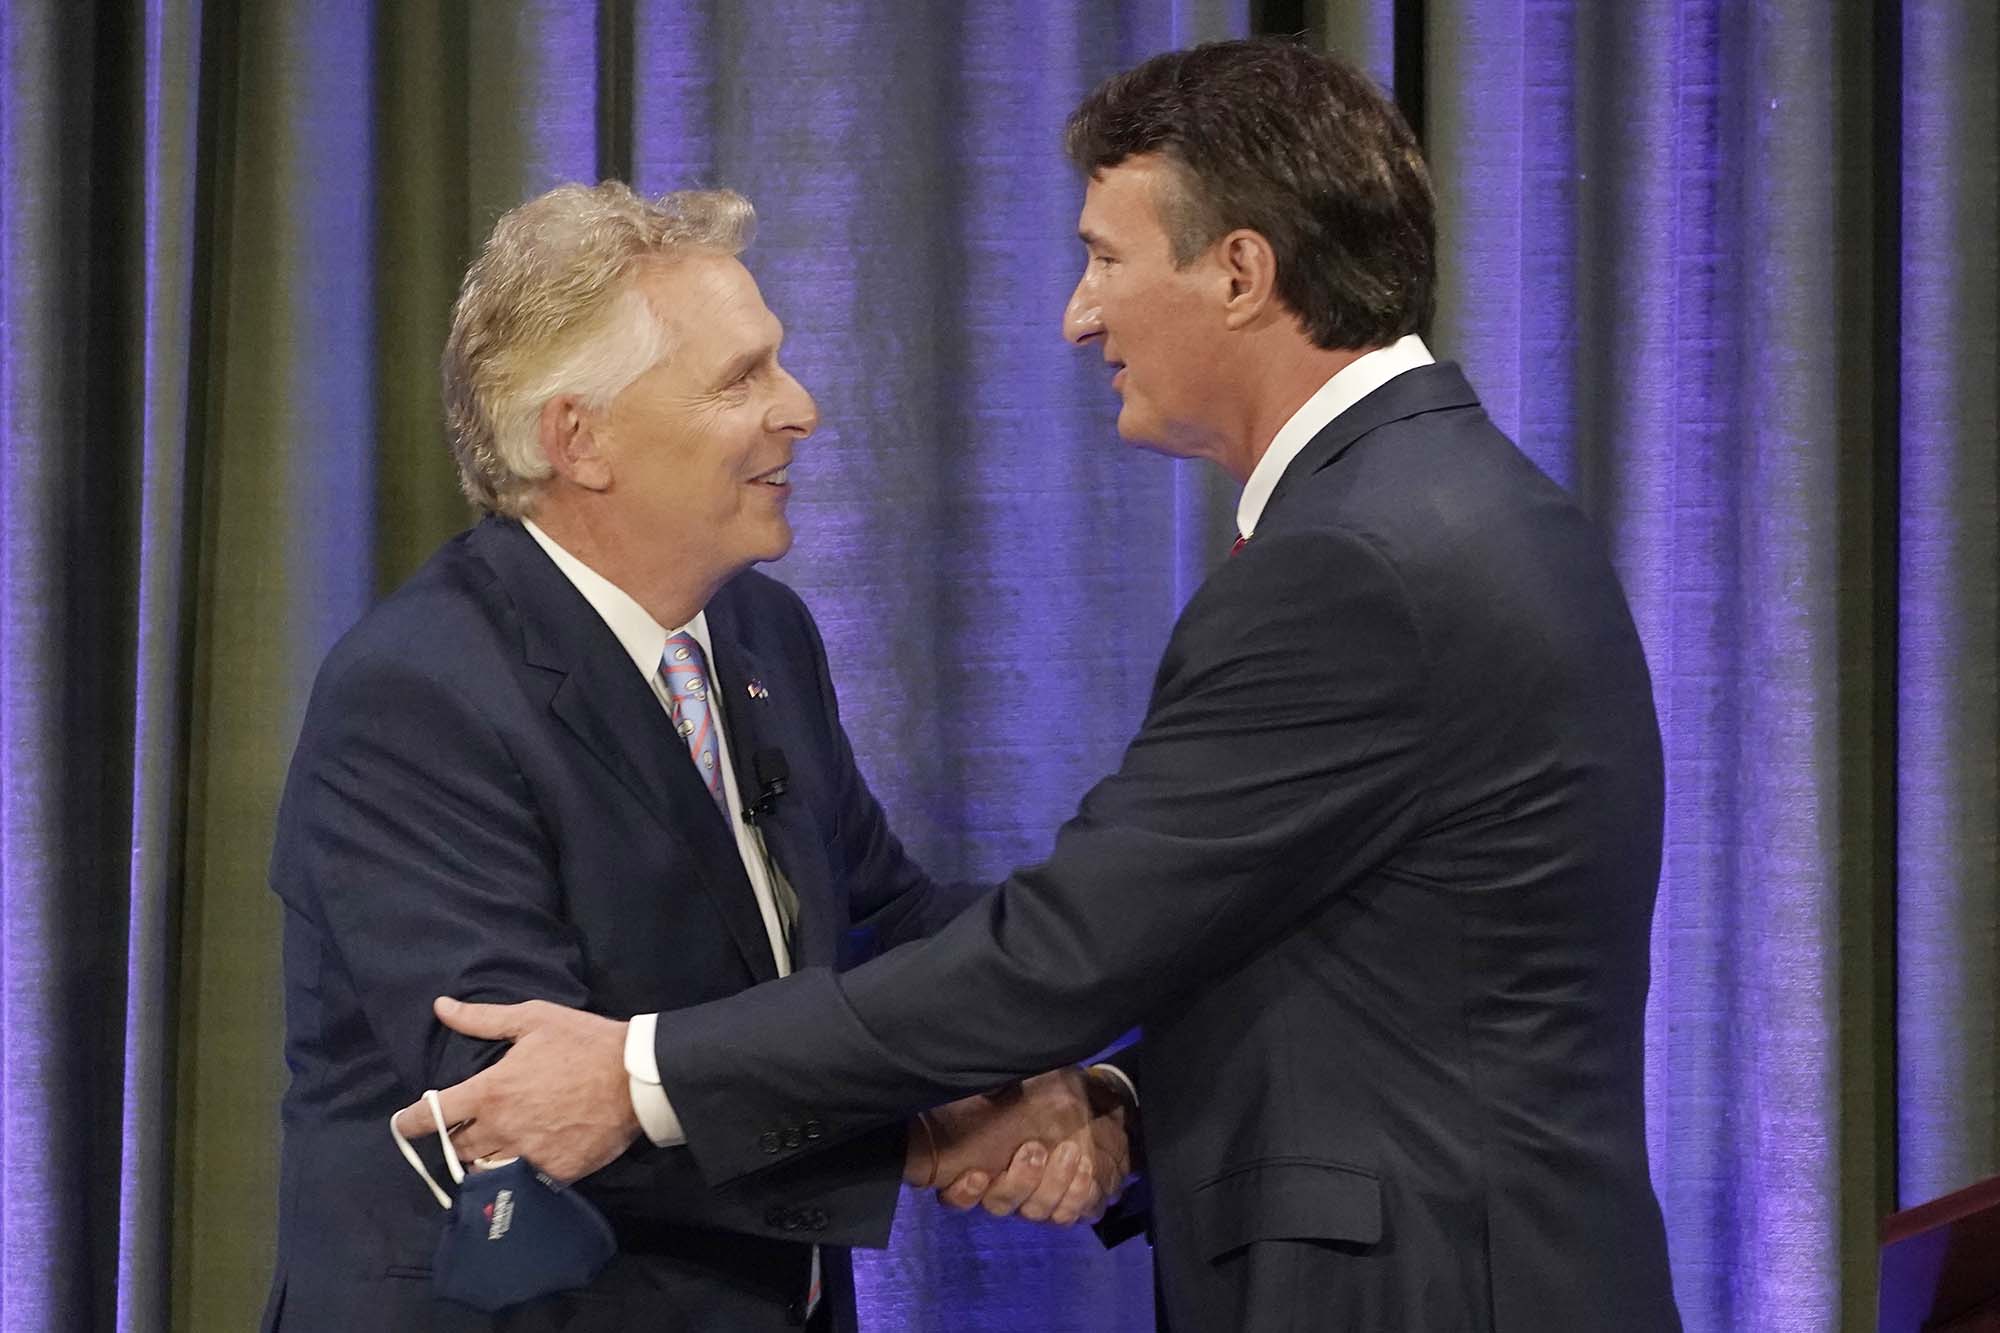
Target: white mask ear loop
{"points": [[444, 1137]]}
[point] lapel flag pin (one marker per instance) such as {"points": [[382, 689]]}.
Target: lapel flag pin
{"points": [[756, 689]]}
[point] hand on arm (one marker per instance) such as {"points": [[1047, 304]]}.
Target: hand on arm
{"points": [[559, 1096]]}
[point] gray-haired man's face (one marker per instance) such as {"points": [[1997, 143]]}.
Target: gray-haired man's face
{"points": [[701, 444]]}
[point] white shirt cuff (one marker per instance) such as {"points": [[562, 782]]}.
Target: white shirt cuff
{"points": [[649, 1099], [1124, 1079]]}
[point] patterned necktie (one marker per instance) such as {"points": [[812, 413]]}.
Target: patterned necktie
{"points": [[688, 686]]}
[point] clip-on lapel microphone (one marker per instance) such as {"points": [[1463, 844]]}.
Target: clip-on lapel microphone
{"points": [[774, 778]]}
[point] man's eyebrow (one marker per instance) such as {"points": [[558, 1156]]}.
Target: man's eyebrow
{"points": [[1089, 237], [741, 364]]}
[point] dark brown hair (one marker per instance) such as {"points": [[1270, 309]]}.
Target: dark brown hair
{"points": [[1301, 148]]}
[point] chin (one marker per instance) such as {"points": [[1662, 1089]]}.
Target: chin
{"points": [[1133, 428], [1147, 435], [774, 546], [1163, 435]]}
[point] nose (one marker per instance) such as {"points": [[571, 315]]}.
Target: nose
{"points": [[795, 413], [1082, 319]]}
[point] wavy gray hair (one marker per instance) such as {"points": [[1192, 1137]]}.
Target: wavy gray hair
{"points": [[549, 308]]}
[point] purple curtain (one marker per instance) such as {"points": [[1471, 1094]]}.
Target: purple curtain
{"points": [[1693, 262]]}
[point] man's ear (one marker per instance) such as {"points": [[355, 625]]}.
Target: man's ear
{"points": [[572, 444], [1252, 273]]}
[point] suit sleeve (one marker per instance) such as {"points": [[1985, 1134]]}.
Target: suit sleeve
{"points": [[422, 852], [1281, 758], [434, 875]]}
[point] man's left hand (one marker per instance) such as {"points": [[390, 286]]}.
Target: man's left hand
{"points": [[559, 1097]]}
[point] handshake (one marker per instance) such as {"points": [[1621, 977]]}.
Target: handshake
{"points": [[1055, 1148]]}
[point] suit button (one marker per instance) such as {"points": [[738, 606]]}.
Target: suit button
{"points": [[816, 1219], [793, 1221], [793, 1141], [814, 1129], [774, 1217], [768, 1141]]}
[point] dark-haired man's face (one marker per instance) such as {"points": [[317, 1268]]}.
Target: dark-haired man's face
{"points": [[1158, 326]]}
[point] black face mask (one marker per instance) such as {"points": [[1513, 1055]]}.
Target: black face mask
{"points": [[513, 1234]]}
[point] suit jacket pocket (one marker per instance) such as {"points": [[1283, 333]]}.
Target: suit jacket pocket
{"points": [[1287, 1198]]}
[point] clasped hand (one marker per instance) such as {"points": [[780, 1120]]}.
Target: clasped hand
{"points": [[1051, 1149]]}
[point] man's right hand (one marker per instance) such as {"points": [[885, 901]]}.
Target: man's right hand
{"points": [[1054, 1149]]}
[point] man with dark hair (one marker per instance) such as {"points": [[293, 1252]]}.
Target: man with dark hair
{"points": [[1302, 150], [1377, 872]]}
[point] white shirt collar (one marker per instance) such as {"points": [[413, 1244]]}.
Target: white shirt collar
{"points": [[1353, 382], [641, 635]]}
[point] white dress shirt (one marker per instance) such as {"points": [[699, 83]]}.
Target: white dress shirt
{"points": [[1353, 382], [645, 641]]}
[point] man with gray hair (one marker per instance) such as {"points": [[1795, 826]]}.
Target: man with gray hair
{"points": [[585, 756]]}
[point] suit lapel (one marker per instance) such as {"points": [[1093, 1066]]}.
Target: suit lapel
{"points": [[754, 721], [616, 716], [1432, 388]]}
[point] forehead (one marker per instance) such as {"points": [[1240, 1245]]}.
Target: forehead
{"points": [[707, 300], [1122, 203]]}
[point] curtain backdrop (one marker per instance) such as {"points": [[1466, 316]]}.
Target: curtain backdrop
{"points": [[1727, 271]]}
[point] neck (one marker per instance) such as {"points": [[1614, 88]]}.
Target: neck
{"points": [[664, 577], [1287, 372]]}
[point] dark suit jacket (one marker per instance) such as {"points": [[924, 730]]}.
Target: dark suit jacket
{"points": [[1376, 875], [487, 801]]}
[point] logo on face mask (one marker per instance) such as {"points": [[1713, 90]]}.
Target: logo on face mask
{"points": [[500, 1215]]}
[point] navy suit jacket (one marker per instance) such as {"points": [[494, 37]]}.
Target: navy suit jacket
{"points": [[487, 801], [1376, 875]]}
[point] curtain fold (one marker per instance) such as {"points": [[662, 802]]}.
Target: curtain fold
{"points": [[286, 529], [1363, 32], [1630, 279], [1775, 824], [159, 375], [1731, 273], [423, 241], [1948, 598], [46, 1011], [1476, 135]]}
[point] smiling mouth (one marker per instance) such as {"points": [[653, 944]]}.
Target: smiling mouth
{"points": [[775, 477]]}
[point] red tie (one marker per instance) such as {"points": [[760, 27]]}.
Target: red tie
{"points": [[1237, 549]]}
